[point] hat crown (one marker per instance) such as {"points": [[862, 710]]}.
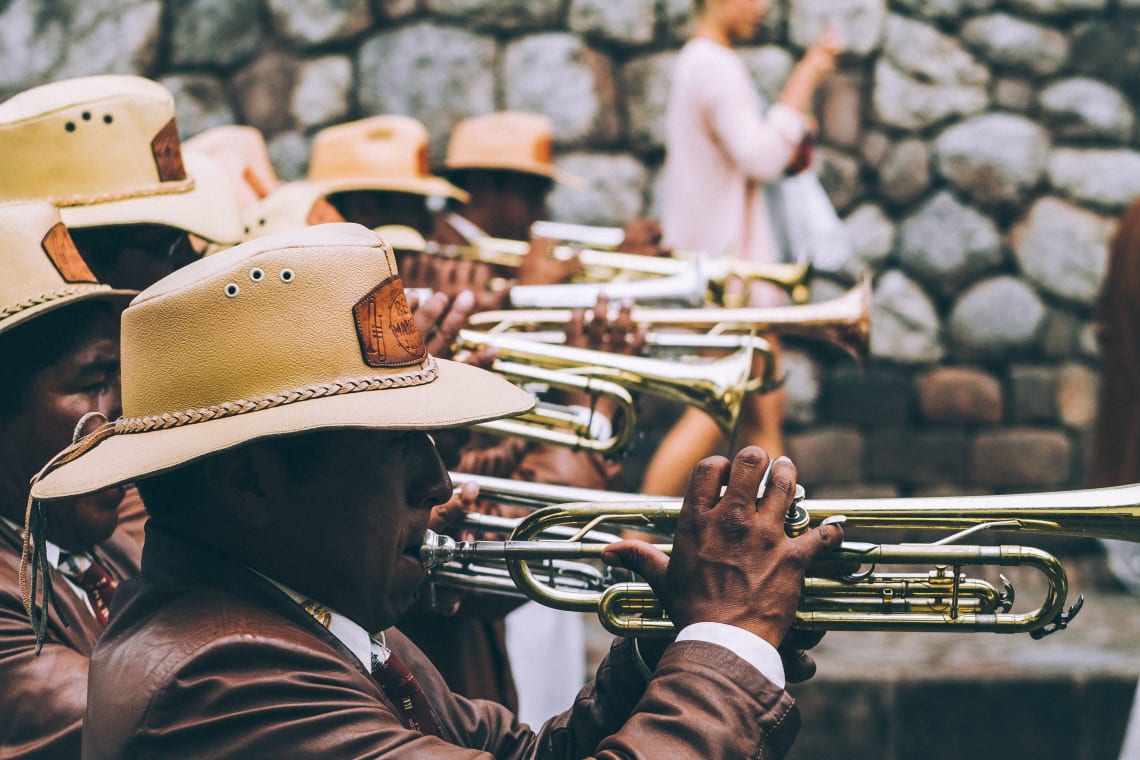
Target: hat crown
{"points": [[242, 153], [380, 146], [268, 320], [509, 140], [40, 263], [90, 140]]}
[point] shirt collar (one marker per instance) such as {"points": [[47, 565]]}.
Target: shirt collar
{"points": [[351, 634]]}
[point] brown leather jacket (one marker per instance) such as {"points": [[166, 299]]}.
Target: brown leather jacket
{"points": [[42, 698], [205, 659]]}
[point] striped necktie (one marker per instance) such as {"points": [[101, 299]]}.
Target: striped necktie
{"points": [[401, 687], [94, 579]]}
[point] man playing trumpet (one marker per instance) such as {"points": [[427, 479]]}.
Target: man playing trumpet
{"points": [[276, 404]]}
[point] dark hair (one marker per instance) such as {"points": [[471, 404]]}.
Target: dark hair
{"points": [[30, 348]]}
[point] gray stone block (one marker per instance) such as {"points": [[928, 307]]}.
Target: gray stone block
{"points": [[1057, 7], [1015, 43], [645, 90], [626, 23], [905, 102], [907, 328], [1014, 94], [945, 10], [306, 23], [215, 32], [928, 55], [840, 112], [499, 14], [995, 159], [904, 174], [289, 152], [264, 91], [438, 74], [995, 318], [858, 23], [1082, 107], [841, 176], [1106, 178], [874, 396], [1062, 249], [769, 66], [614, 189], [323, 88], [1033, 392], [1021, 457], [872, 236], [560, 76], [1077, 387], [948, 244]]}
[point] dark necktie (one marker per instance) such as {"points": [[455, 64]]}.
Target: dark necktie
{"points": [[401, 687], [94, 579]]}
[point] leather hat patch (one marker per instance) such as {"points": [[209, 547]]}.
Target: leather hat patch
{"points": [[388, 333], [60, 248], [167, 150]]}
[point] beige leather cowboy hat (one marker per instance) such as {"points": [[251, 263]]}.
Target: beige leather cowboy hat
{"points": [[241, 152], [106, 150], [289, 207], [42, 270], [387, 153], [294, 332], [506, 141]]}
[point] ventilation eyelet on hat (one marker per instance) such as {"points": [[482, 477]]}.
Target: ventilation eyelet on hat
{"points": [[108, 118], [286, 275], [69, 126], [232, 289], [257, 275]]}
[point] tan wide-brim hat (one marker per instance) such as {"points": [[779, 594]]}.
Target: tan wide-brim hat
{"points": [[41, 268], [243, 155], [507, 141], [307, 330], [106, 150], [289, 207], [382, 153]]}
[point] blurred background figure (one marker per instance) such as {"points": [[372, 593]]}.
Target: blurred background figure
{"points": [[1116, 447], [721, 149]]}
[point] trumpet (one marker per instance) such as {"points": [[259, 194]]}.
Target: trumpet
{"points": [[608, 266], [717, 387], [844, 322], [942, 598]]}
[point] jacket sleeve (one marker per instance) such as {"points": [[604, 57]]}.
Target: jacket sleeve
{"points": [[42, 698], [220, 703]]}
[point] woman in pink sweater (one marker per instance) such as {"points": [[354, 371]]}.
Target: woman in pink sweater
{"points": [[721, 149]]}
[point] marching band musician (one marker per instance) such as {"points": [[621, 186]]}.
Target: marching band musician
{"points": [[285, 532], [59, 360], [720, 151]]}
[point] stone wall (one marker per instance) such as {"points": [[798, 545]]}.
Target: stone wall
{"points": [[978, 150]]}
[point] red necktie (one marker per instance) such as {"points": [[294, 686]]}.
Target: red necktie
{"points": [[401, 687], [99, 584]]}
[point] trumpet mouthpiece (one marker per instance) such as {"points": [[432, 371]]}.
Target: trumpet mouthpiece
{"points": [[436, 549]]}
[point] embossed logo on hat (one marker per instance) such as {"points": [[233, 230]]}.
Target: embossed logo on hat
{"points": [[59, 247], [167, 149], [388, 333]]}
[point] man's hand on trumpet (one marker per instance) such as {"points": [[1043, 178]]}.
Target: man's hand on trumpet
{"points": [[732, 561]]}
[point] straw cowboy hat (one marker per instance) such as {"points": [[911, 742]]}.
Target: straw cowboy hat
{"points": [[106, 150], [386, 153], [301, 331], [506, 141], [42, 268]]}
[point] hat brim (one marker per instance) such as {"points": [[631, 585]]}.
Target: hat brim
{"points": [[432, 187], [460, 395], [572, 181], [209, 210], [119, 298]]}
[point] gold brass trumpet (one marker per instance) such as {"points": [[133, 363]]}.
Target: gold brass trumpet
{"points": [[609, 265], [716, 387], [844, 322], [942, 598]]}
